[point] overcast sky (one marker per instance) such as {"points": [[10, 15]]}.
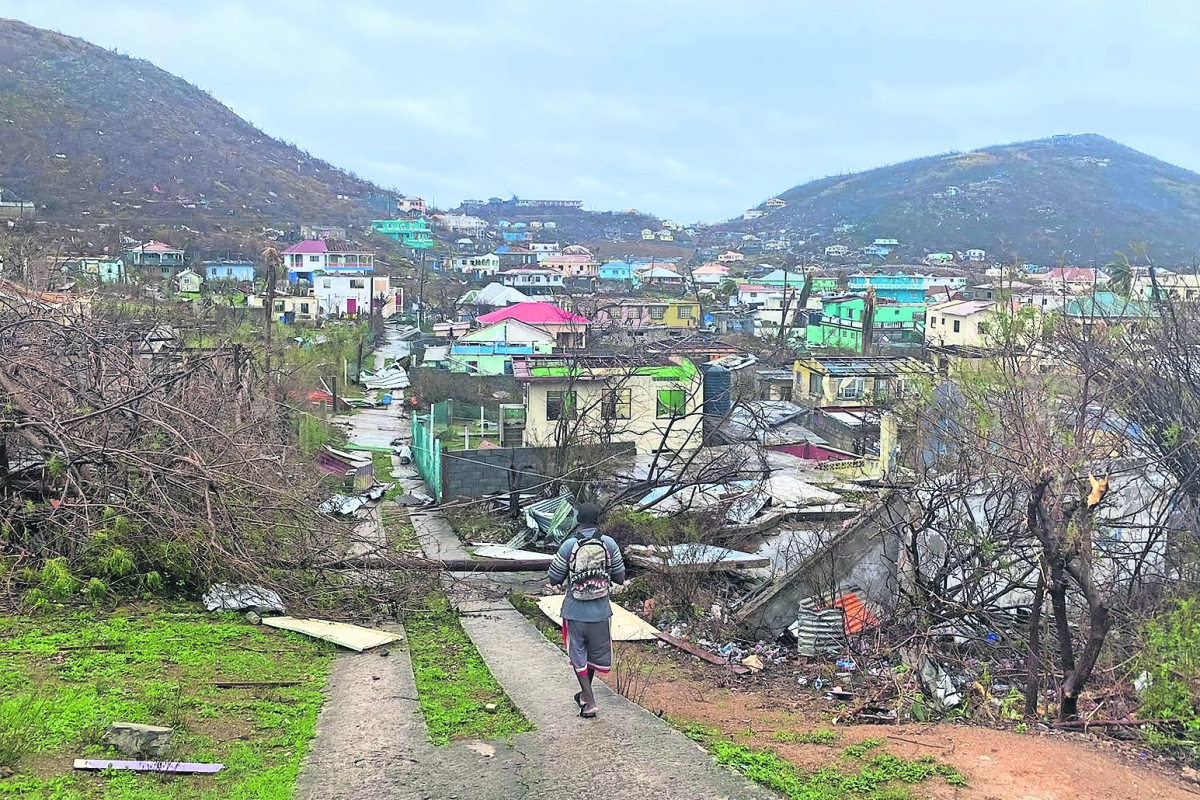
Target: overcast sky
{"points": [[689, 109]]}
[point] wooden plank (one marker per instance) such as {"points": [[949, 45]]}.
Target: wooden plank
{"points": [[352, 637], [148, 766], [625, 627], [711, 658], [251, 684]]}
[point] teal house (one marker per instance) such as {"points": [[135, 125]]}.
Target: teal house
{"points": [[490, 350], [409, 232], [841, 325]]}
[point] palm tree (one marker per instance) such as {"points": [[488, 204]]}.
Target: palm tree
{"points": [[1120, 274]]}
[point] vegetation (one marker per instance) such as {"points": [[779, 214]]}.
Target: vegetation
{"points": [[454, 685], [881, 777], [122, 156], [1072, 198], [64, 678]]}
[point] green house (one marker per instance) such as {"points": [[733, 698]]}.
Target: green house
{"points": [[841, 324], [409, 232]]}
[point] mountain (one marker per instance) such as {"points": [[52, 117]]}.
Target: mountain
{"points": [[83, 129], [1070, 198]]}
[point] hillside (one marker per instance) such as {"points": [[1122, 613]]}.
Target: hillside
{"points": [[1072, 198], [83, 129]]}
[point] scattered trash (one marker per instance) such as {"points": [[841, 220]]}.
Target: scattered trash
{"points": [[546, 522], [352, 637], [133, 739], [491, 708], [686, 646], [1143, 682], [148, 766], [840, 694], [846, 665], [242, 597], [937, 684], [390, 378], [801, 681], [754, 662], [404, 453], [253, 618]]}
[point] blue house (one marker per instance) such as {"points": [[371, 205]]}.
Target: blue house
{"points": [[228, 270], [617, 271]]}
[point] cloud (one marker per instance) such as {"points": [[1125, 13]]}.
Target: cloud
{"points": [[687, 108]]}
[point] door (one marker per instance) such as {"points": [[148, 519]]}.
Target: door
{"points": [[351, 305]]}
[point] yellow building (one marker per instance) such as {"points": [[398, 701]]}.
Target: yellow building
{"points": [[855, 381], [656, 405]]}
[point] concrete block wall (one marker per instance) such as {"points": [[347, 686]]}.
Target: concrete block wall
{"points": [[475, 473]]}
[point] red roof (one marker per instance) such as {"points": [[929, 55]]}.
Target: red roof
{"points": [[307, 246], [533, 314]]}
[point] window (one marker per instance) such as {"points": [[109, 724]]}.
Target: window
{"points": [[326, 283], [671, 403], [357, 283], [229, 270], [785, 393], [685, 312], [850, 388], [314, 259], [304, 308], [657, 312], [472, 366], [816, 384], [560, 405], [957, 325], [616, 404]]}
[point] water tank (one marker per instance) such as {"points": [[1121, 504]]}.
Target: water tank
{"points": [[718, 390]]}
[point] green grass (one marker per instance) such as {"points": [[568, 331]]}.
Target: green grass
{"points": [[159, 672], [882, 777], [453, 682], [402, 535], [533, 612], [822, 736]]}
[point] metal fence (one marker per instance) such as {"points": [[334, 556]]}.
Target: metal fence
{"points": [[459, 424], [427, 454]]}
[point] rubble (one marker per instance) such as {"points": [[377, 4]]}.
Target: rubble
{"points": [[135, 740], [242, 597]]}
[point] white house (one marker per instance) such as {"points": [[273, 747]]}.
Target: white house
{"points": [[976, 255], [462, 224], [349, 294], [481, 266], [960, 323], [710, 274], [837, 251], [532, 280]]}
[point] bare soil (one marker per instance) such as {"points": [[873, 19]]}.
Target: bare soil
{"points": [[999, 764]]}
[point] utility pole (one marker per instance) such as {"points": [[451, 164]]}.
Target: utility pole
{"points": [[421, 294]]}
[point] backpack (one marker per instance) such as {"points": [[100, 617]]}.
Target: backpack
{"points": [[587, 569]]}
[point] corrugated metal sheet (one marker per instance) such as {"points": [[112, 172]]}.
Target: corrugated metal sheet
{"points": [[817, 630], [858, 617]]}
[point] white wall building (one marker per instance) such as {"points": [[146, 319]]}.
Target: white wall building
{"points": [[349, 294]]}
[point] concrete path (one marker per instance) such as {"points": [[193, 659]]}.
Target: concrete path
{"points": [[372, 742]]}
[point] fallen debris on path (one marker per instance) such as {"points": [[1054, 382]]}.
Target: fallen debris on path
{"points": [[352, 637], [148, 766], [626, 626], [242, 597]]}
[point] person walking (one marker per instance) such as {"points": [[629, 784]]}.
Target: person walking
{"points": [[588, 563]]}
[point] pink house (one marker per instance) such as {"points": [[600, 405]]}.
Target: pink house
{"points": [[568, 330]]}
